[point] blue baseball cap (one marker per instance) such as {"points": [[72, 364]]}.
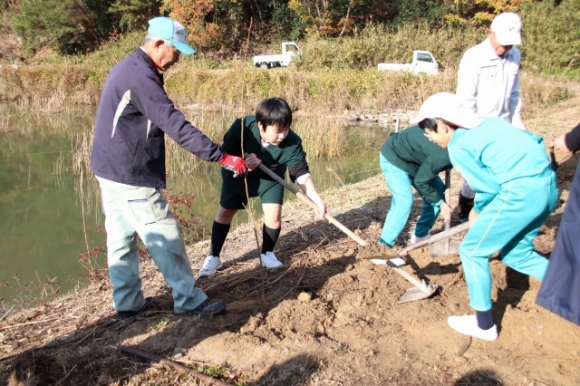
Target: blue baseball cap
{"points": [[170, 30]]}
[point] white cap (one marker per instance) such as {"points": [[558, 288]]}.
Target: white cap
{"points": [[170, 30], [448, 107], [507, 27]]}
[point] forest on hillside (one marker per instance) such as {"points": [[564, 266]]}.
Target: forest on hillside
{"points": [[80, 26]]}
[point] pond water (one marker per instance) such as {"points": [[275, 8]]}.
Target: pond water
{"points": [[49, 208]]}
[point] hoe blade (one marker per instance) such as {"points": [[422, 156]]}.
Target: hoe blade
{"points": [[421, 290], [418, 293]]}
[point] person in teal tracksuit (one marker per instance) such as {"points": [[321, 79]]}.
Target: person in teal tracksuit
{"points": [[515, 185], [408, 159]]}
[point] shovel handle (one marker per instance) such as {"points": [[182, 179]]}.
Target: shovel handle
{"points": [[447, 224], [433, 239], [448, 233], [448, 195], [308, 201], [555, 163]]}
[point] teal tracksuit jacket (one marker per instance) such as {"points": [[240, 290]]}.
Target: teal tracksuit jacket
{"points": [[515, 187]]}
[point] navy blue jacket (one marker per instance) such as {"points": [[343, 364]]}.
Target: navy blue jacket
{"points": [[133, 117], [560, 288], [572, 139]]}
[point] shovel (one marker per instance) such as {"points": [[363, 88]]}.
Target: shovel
{"points": [[556, 163], [308, 201], [432, 242], [447, 242], [441, 243], [421, 289]]}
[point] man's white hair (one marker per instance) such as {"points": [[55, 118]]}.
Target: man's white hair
{"points": [[150, 38]]}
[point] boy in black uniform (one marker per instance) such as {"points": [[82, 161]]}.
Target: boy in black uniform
{"points": [[268, 139]]}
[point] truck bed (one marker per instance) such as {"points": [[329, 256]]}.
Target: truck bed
{"points": [[268, 58], [395, 67]]}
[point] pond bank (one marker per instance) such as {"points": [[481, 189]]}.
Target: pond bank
{"points": [[327, 318]]}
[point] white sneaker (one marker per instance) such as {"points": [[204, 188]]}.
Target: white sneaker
{"points": [[467, 325], [270, 261], [416, 239], [210, 265]]}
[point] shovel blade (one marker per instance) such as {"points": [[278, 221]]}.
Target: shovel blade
{"points": [[416, 293], [444, 248]]}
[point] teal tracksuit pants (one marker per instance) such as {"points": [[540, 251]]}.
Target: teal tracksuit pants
{"points": [[508, 223], [400, 184]]}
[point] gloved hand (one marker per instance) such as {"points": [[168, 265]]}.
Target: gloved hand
{"points": [[234, 164]]}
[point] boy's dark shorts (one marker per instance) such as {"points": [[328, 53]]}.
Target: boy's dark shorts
{"points": [[233, 194]]}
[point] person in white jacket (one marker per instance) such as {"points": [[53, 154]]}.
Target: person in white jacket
{"points": [[488, 82]]}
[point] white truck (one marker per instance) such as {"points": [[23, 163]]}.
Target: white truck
{"points": [[290, 50], [423, 62]]}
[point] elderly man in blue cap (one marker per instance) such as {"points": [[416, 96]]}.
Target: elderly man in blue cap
{"points": [[128, 160]]}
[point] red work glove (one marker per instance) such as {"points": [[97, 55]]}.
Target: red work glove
{"points": [[234, 164]]}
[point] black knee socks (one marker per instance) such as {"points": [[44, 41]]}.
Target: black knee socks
{"points": [[219, 232], [270, 237]]}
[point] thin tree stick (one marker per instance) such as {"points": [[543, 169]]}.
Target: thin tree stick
{"points": [[7, 312], [67, 375], [252, 217], [577, 358], [457, 277], [293, 287], [26, 324], [154, 358], [249, 33]]}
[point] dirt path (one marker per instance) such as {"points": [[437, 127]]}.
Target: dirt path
{"points": [[328, 318]]}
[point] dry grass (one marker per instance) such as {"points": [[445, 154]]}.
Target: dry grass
{"points": [[239, 90]]}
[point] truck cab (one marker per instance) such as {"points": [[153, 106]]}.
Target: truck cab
{"points": [[290, 51], [423, 62]]}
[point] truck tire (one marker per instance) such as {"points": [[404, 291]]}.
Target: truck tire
{"points": [[264, 66]]}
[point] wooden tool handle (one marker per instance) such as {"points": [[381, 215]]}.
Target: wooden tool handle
{"points": [[437, 237], [448, 233], [308, 201], [448, 195], [410, 278], [555, 163]]}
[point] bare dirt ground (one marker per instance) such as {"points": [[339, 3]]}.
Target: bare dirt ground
{"points": [[328, 318]]}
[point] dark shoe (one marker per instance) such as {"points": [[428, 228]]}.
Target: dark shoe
{"points": [[129, 314], [207, 309]]}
